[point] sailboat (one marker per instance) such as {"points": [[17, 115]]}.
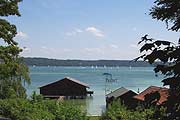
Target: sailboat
{"points": [[130, 67]]}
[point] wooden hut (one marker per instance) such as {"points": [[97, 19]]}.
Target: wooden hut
{"points": [[158, 98], [67, 87], [124, 95]]}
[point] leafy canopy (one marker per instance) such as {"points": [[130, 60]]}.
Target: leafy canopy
{"points": [[166, 52], [168, 11], [12, 70]]}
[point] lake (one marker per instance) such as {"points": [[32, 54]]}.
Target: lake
{"points": [[133, 78]]}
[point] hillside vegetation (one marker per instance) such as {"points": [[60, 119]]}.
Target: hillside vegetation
{"points": [[108, 63]]}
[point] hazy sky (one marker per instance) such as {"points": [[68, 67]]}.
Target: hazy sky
{"points": [[86, 29]]}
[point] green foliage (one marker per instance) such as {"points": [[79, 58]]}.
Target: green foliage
{"points": [[39, 109], [36, 98], [168, 11], [94, 117], [67, 111], [151, 99], [11, 76], [12, 70], [117, 111], [9, 7], [12, 89], [166, 52], [21, 109], [8, 31], [9, 53]]}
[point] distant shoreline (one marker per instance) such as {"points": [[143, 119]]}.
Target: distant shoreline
{"points": [[84, 63]]}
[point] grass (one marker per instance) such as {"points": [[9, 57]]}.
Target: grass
{"points": [[94, 118]]}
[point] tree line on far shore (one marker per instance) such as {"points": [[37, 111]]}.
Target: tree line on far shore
{"points": [[99, 63]]}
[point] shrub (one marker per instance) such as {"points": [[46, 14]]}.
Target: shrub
{"points": [[117, 111], [23, 109]]}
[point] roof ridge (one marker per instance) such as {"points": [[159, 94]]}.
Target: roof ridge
{"points": [[68, 78], [76, 81], [127, 90]]}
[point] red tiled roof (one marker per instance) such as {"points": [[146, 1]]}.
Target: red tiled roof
{"points": [[162, 91]]}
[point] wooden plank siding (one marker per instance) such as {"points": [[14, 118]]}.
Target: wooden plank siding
{"points": [[124, 96], [64, 87]]}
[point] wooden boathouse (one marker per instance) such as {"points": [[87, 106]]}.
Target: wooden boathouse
{"points": [[124, 96], [66, 87]]}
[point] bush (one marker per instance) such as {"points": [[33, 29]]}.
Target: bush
{"points": [[23, 109], [117, 111], [11, 89]]}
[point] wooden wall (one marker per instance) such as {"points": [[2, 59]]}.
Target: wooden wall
{"points": [[63, 88]]}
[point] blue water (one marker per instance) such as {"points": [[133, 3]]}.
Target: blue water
{"points": [[132, 78]]}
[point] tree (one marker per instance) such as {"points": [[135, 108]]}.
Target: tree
{"points": [[168, 11], [167, 52], [12, 70]]}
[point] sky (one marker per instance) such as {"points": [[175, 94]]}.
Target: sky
{"points": [[86, 29]]}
